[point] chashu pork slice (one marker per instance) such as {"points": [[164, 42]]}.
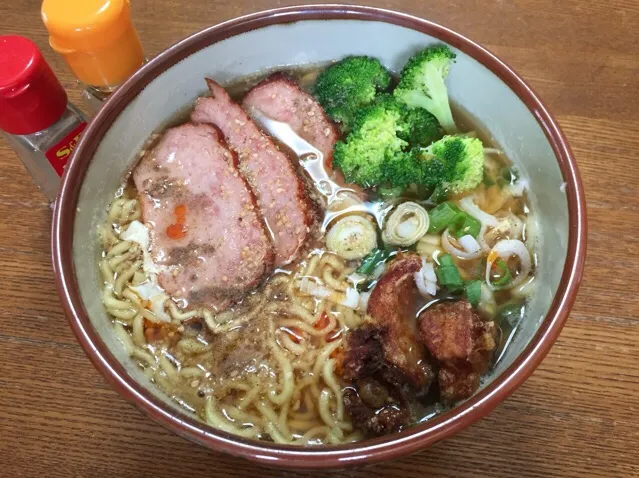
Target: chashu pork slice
{"points": [[281, 194], [206, 232], [280, 98]]}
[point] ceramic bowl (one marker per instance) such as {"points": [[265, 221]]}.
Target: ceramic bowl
{"points": [[485, 87]]}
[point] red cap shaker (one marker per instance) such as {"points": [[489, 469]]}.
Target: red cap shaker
{"points": [[36, 118], [31, 97]]}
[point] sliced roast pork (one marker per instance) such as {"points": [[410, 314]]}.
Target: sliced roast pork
{"points": [[280, 98], [284, 203], [206, 231]]}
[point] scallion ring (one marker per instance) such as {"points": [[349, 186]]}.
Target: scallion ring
{"points": [[504, 250], [406, 225]]}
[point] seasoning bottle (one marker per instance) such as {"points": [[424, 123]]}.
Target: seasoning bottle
{"points": [[97, 40], [36, 118]]}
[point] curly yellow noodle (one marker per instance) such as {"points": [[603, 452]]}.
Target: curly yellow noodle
{"points": [[124, 337], [143, 356], [302, 426], [323, 356], [299, 398], [193, 346], [286, 342], [107, 237], [333, 282], [286, 380], [275, 434], [215, 420], [128, 294], [309, 398], [325, 410], [309, 270], [234, 386], [117, 263], [180, 316], [114, 210], [335, 436], [168, 368], [123, 211], [125, 278], [298, 392], [309, 329], [191, 372], [329, 377], [124, 315], [332, 260], [248, 398], [241, 416], [107, 272], [139, 277], [283, 422], [290, 309], [319, 431], [120, 248], [137, 331], [130, 211], [112, 303]]}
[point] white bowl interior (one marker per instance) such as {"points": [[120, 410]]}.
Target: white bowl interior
{"points": [[472, 85]]}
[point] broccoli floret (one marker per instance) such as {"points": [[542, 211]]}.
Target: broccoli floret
{"points": [[422, 85], [348, 85], [461, 162], [409, 167], [378, 151], [373, 142], [423, 127]]}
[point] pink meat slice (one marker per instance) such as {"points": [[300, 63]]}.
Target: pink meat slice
{"points": [[281, 195], [224, 249], [280, 98]]}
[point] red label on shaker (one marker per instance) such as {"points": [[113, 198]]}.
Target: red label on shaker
{"points": [[59, 154]]}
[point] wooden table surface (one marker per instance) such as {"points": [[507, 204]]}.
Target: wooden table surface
{"points": [[578, 415]]}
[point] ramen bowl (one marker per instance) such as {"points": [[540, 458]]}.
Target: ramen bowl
{"points": [[486, 88]]}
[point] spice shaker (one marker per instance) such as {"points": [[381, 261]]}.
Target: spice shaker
{"points": [[36, 118], [97, 40]]}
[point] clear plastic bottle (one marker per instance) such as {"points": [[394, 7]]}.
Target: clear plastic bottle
{"points": [[36, 118], [97, 40]]}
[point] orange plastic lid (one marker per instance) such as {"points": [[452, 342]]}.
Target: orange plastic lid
{"points": [[96, 38]]}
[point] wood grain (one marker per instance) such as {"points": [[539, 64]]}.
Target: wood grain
{"points": [[578, 414]]}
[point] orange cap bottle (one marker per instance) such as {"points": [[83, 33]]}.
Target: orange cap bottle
{"points": [[96, 38]]}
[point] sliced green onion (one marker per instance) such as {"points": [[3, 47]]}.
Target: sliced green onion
{"points": [[445, 260], [372, 260], [441, 216], [464, 224], [448, 275], [504, 273], [473, 292]]}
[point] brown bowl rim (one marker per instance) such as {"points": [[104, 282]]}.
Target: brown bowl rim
{"points": [[371, 451]]}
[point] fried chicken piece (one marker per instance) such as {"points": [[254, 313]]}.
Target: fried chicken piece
{"points": [[389, 306], [389, 419], [461, 342]]}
